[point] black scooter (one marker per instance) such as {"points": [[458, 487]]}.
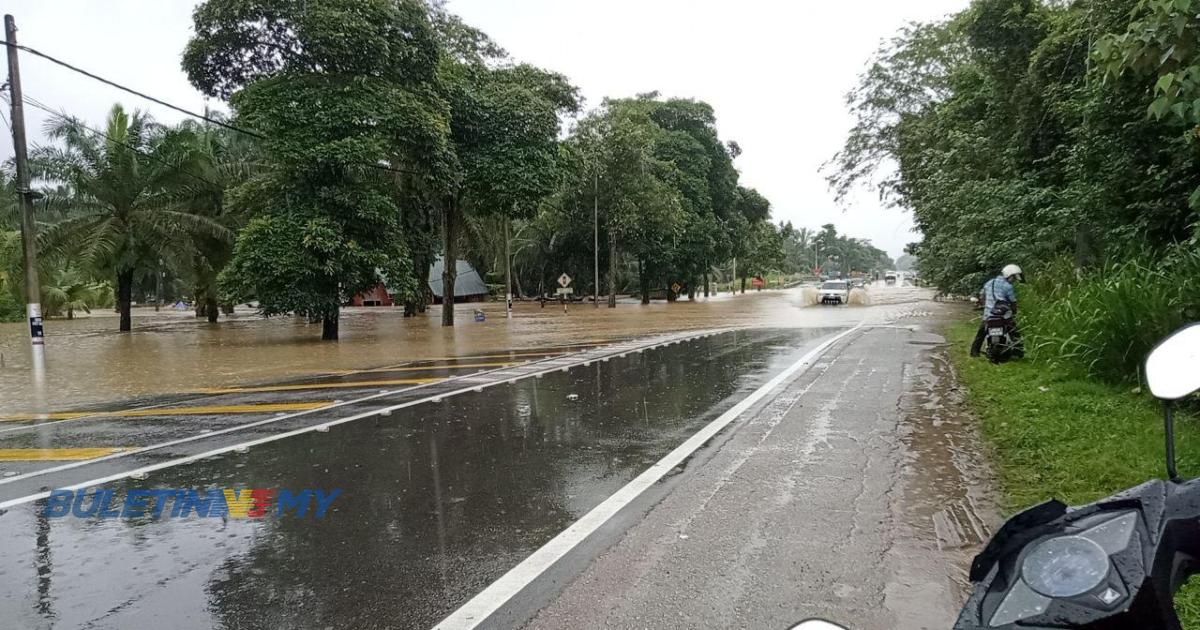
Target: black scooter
{"points": [[1116, 563], [1003, 343]]}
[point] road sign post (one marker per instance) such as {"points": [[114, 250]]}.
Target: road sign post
{"points": [[564, 289]]}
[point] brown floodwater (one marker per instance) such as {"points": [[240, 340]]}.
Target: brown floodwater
{"points": [[89, 363]]}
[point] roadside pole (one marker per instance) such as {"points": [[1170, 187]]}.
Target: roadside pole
{"points": [[564, 290], [596, 239], [33, 307], [508, 296]]}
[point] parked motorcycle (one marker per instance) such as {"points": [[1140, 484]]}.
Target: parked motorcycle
{"points": [[1003, 343], [1113, 564]]}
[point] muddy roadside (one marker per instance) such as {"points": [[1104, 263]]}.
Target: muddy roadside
{"points": [[946, 505]]}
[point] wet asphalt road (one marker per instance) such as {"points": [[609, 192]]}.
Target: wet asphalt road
{"points": [[438, 498], [858, 494]]}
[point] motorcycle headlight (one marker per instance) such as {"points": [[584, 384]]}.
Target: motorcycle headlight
{"points": [[1065, 566]]}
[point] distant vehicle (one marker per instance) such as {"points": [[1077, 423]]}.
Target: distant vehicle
{"points": [[835, 292], [889, 278]]}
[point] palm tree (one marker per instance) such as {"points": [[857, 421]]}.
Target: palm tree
{"points": [[224, 159], [68, 290], [124, 213]]}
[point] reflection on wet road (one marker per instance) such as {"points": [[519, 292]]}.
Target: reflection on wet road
{"points": [[438, 499]]}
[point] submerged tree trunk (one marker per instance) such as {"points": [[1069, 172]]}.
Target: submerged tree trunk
{"points": [[125, 299], [691, 288], [743, 284], [705, 284], [644, 281], [612, 269], [414, 304], [329, 327], [449, 261], [70, 312], [211, 309]]}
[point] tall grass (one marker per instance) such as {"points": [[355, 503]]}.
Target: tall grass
{"points": [[1102, 322]]}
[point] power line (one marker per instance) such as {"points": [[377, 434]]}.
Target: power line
{"points": [[182, 110]]}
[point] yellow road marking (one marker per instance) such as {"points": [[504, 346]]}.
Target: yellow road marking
{"points": [[343, 385], [168, 411], [424, 368], [53, 454]]}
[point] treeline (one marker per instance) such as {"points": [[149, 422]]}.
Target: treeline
{"points": [[1061, 136], [368, 137]]}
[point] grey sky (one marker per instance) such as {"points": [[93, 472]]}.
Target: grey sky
{"points": [[774, 70]]}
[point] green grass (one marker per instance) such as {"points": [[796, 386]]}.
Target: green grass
{"points": [[1053, 434]]}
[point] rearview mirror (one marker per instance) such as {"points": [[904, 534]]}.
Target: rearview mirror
{"points": [[816, 624], [1173, 367]]}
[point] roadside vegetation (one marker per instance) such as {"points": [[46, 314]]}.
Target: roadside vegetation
{"points": [[1061, 136], [338, 170]]}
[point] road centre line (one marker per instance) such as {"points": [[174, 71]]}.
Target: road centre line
{"points": [[488, 601], [167, 411], [611, 350], [310, 386], [54, 454]]}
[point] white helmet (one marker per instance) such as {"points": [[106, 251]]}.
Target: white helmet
{"points": [[1010, 271]]}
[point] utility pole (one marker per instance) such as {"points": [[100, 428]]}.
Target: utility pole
{"points": [[33, 307], [596, 239], [508, 296]]}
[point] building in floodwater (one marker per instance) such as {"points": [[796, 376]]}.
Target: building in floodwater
{"points": [[468, 287]]}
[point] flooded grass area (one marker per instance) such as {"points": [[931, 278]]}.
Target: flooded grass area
{"points": [[89, 363]]}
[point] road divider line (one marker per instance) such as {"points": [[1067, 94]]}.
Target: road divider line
{"points": [[53, 454], [488, 601], [309, 386], [415, 368], [382, 411], [204, 410]]}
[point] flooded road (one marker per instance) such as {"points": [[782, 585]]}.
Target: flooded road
{"points": [[171, 352], [437, 501], [801, 460]]}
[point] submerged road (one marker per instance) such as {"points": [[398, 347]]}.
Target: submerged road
{"points": [[716, 478]]}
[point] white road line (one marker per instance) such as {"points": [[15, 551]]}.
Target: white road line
{"points": [[4, 505], [488, 601]]}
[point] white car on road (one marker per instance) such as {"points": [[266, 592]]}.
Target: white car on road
{"points": [[834, 292]]}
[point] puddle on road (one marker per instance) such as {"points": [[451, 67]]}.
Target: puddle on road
{"points": [[946, 508], [439, 500], [171, 352]]}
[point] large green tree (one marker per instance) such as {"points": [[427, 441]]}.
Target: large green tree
{"points": [[1010, 143], [335, 126], [504, 126], [615, 171]]}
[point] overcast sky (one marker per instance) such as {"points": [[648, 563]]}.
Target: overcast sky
{"points": [[774, 70]]}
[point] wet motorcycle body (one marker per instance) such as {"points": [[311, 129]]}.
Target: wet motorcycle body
{"points": [[1116, 563]]}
